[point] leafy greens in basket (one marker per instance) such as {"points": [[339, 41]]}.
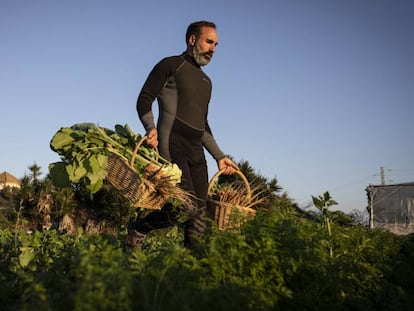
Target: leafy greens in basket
{"points": [[84, 149]]}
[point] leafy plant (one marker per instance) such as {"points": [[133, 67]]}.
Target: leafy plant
{"points": [[85, 148], [323, 202], [276, 261]]}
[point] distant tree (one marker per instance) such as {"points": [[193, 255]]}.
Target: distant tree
{"points": [[360, 217], [35, 173], [26, 190]]}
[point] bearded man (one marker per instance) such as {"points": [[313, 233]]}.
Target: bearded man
{"points": [[183, 92]]}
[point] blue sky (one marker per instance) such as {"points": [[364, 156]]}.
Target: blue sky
{"points": [[316, 93]]}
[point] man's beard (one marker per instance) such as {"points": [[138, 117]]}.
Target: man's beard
{"points": [[201, 58]]}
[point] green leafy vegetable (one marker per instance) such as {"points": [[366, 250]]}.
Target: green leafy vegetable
{"points": [[84, 149]]}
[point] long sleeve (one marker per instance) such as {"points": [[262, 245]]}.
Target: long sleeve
{"points": [[211, 145], [151, 89]]}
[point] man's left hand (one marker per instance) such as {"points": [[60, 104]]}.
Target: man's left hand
{"points": [[228, 166]]}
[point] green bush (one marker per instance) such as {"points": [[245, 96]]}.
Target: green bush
{"points": [[279, 261]]}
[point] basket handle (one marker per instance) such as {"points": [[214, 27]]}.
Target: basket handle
{"points": [[245, 181], [134, 154]]}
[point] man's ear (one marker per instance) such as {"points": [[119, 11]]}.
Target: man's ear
{"points": [[192, 40]]}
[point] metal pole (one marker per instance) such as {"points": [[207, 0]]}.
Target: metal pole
{"points": [[382, 176], [371, 206]]}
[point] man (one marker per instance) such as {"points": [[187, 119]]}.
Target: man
{"points": [[183, 93]]}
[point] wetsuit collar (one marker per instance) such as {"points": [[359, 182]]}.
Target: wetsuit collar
{"points": [[190, 59]]}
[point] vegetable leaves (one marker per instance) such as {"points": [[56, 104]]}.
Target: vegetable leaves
{"points": [[84, 150]]}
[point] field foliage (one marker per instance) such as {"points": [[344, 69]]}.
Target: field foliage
{"points": [[283, 259]]}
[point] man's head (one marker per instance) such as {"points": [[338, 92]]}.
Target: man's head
{"points": [[201, 38]]}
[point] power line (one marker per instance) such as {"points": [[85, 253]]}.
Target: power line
{"points": [[392, 173], [305, 203], [402, 169]]}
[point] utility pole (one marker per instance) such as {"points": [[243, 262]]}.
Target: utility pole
{"points": [[371, 206], [382, 176]]}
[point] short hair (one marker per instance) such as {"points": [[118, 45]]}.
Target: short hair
{"points": [[195, 29]]}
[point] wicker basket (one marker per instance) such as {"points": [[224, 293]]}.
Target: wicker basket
{"points": [[140, 191], [226, 213]]}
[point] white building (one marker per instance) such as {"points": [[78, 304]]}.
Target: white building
{"points": [[9, 180]]}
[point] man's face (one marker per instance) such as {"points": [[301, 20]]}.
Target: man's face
{"points": [[205, 46]]}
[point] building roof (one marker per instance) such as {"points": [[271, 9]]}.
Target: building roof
{"points": [[7, 178], [407, 184]]}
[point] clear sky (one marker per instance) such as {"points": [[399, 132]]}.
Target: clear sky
{"points": [[316, 93]]}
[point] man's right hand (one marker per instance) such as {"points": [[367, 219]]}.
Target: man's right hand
{"points": [[152, 137]]}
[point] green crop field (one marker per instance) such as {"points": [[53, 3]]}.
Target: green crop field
{"points": [[282, 259]]}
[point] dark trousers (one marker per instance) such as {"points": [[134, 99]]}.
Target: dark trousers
{"points": [[194, 179]]}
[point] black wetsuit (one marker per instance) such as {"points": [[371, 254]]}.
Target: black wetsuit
{"points": [[183, 92]]}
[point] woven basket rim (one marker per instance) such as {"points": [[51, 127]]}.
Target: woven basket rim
{"points": [[238, 172]]}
